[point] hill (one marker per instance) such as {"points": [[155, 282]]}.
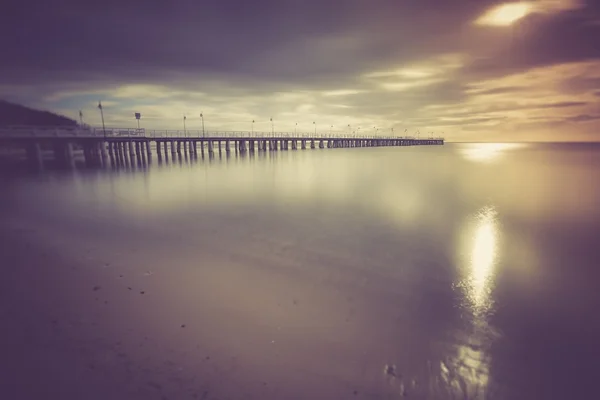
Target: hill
{"points": [[16, 114]]}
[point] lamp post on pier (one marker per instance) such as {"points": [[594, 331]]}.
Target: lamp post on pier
{"points": [[184, 130], [102, 116], [202, 116]]}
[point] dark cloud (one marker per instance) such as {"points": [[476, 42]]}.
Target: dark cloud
{"points": [[503, 90], [563, 104], [275, 40], [545, 39], [583, 118]]}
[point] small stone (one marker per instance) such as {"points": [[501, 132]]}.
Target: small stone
{"points": [[356, 392], [128, 287], [142, 292], [390, 370], [96, 288], [183, 325]]}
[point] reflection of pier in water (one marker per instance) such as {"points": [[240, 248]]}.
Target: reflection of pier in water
{"points": [[137, 148]]}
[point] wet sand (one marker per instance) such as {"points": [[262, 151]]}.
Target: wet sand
{"points": [[115, 324]]}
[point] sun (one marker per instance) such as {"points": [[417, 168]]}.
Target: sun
{"points": [[505, 14]]}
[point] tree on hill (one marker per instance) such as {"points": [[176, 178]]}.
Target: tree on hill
{"points": [[15, 114]]}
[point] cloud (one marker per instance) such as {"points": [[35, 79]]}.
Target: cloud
{"points": [[509, 13], [397, 64], [583, 118]]}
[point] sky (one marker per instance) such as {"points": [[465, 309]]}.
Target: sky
{"points": [[468, 70]]}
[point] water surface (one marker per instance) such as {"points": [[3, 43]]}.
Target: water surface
{"points": [[462, 271]]}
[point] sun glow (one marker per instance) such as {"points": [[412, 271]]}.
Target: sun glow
{"points": [[505, 14]]}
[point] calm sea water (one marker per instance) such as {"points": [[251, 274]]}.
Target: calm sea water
{"points": [[463, 271]]}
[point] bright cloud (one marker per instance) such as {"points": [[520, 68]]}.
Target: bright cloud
{"points": [[509, 13], [505, 14]]}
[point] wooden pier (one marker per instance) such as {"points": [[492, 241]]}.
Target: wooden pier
{"points": [[123, 145]]}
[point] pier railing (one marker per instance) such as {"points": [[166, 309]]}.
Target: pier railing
{"points": [[79, 132]]}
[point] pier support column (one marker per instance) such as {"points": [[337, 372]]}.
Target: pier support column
{"points": [[70, 159], [138, 153], [34, 156], [103, 151], [148, 150], [117, 152], [130, 147], [122, 154]]}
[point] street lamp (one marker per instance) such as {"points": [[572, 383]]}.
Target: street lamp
{"points": [[102, 116], [184, 130], [202, 116], [330, 128], [272, 127], [253, 127], [138, 116], [80, 117], [315, 124], [296, 129]]}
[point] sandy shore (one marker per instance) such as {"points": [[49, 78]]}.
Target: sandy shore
{"points": [[93, 320]]}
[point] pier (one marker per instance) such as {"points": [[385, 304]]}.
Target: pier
{"points": [[101, 146]]}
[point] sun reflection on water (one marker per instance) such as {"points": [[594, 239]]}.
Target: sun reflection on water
{"points": [[487, 152], [466, 372], [483, 258]]}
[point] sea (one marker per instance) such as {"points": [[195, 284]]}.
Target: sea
{"points": [[463, 271]]}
